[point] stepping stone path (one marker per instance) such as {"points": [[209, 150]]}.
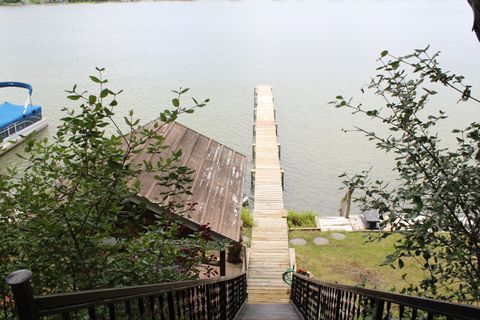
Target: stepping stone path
{"points": [[298, 242], [320, 241], [338, 236]]}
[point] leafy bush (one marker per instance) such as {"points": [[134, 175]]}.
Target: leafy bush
{"points": [[67, 216], [301, 219], [435, 201]]}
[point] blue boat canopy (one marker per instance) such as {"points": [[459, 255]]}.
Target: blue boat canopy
{"points": [[17, 85], [11, 113]]}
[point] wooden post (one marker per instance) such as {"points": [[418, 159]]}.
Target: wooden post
{"points": [[222, 263], [346, 204], [19, 281], [252, 179]]}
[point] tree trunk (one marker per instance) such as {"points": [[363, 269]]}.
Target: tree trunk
{"points": [[475, 4]]}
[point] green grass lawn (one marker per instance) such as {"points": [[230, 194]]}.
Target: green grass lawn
{"points": [[353, 261]]}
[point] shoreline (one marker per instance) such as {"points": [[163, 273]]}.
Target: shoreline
{"points": [[36, 3]]}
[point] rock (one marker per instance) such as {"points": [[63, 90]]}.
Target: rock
{"points": [[338, 236], [298, 242], [320, 241]]}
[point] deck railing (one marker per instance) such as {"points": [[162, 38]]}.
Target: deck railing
{"points": [[219, 298], [318, 300], [17, 126]]}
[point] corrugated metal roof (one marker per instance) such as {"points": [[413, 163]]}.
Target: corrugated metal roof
{"points": [[218, 180]]}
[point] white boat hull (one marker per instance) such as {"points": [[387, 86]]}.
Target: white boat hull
{"points": [[19, 136]]}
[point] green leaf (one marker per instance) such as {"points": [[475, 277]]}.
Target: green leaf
{"points": [[74, 97], [104, 93], [95, 79], [384, 53], [395, 64], [175, 102]]}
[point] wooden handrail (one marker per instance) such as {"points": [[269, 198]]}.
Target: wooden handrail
{"points": [[350, 302], [195, 297]]}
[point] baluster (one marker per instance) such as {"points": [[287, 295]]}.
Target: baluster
{"points": [[194, 312], [389, 306], [186, 309], [141, 307], [161, 299], [191, 303], [338, 295], [379, 305], [223, 300], [91, 313], [354, 305], [171, 306], [430, 316], [414, 313], [128, 309], [209, 302], [202, 304], [180, 304], [346, 305], [402, 311], [111, 312], [151, 304], [66, 316]]}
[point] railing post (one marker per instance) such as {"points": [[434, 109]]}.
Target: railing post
{"points": [[19, 281], [223, 263]]}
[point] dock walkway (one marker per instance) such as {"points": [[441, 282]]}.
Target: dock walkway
{"points": [[269, 255]]}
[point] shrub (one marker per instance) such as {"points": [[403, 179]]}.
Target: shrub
{"points": [[67, 217], [435, 200], [301, 219], [247, 218]]}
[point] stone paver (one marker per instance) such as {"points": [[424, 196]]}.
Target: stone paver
{"points": [[298, 242], [320, 241], [338, 236]]}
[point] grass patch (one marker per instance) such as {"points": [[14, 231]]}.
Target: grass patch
{"points": [[353, 261], [301, 219], [247, 221]]}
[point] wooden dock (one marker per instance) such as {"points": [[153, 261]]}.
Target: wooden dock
{"points": [[269, 255]]}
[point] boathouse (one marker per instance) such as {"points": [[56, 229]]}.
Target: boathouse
{"points": [[217, 186]]}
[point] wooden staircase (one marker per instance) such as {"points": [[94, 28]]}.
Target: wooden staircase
{"points": [[269, 254]]}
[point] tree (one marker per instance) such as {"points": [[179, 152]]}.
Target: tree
{"points": [[67, 216], [475, 4], [436, 201]]}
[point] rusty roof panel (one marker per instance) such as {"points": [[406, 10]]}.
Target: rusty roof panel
{"points": [[217, 182]]}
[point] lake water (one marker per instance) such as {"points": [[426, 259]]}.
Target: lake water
{"points": [[309, 51]]}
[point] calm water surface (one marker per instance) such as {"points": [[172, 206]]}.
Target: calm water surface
{"points": [[309, 51]]}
